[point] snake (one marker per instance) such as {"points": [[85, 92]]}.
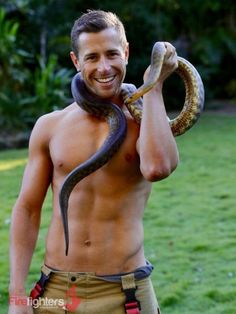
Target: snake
{"points": [[116, 120]]}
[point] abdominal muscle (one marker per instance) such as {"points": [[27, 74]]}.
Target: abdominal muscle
{"points": [[105, 228]]}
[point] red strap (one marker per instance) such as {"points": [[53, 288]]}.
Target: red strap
{"points": [[133, 311], [36, 291], [132, 308]]}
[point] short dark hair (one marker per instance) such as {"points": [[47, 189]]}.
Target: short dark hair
{"points": [[95, 21]]}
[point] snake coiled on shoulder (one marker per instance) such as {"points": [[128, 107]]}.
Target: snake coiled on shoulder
{"points": [[193, 105]]}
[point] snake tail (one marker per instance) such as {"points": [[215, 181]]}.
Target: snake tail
{"points": [[194, 98]]}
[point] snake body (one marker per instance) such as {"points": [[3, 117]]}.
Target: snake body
{"points": [[193, 105], [117, 132]]}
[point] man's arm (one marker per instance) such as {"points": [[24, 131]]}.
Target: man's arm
{"points": [[156, 145], [26, 213]]}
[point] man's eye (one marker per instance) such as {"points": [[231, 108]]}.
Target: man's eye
{"points": [[113, 54], [90, 58]]}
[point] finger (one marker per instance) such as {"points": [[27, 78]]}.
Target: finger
{"points": [[172, 61], [170, 50], [169, 46], [146, 73]]}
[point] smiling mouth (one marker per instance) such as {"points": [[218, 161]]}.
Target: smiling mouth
{"points": [[105, 79]]}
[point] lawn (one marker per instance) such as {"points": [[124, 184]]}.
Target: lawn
{"points": [[190, 222]]}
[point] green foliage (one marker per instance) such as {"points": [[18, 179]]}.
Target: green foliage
{"points": [[11, 76], [28, 88], [50, 89], [8, 31], [204, 32], [50, 84]]}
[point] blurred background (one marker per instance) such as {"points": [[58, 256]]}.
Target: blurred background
{"points": [[35, 67], [190, 217]]}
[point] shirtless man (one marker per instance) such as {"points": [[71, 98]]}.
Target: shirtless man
{"points": [[106, 208]]}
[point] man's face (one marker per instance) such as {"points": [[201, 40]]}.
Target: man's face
{"points": [[102, 61]]}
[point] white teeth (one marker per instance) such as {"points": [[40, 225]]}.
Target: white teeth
{"points": [[105, 80]]}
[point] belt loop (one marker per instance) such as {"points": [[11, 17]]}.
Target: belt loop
{"points": [[47, 271], [128, 281], [132, 305]]}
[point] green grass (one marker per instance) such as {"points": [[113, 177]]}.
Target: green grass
{"points": [[190, 222]]}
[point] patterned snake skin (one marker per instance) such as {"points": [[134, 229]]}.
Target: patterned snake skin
{"points": [[193, 105]]}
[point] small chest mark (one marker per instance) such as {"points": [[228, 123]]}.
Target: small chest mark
{"points": [[129, 158]]}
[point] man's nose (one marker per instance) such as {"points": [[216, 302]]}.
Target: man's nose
{"points": [[104, 65]]}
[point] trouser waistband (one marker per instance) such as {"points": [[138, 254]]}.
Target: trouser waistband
{"points": [[127, 281], [139, 273]]}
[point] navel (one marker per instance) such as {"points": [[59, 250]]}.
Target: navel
{"points": [[87, 242]]}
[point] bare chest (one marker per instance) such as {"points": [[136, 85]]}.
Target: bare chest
{"points": [[77, 140]]}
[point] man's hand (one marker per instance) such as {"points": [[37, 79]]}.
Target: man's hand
{"points": [[17, 305], [170, 64], [20, 309]]}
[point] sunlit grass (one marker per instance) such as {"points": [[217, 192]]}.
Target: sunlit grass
{"points": [[191, 223], [12, 164]]}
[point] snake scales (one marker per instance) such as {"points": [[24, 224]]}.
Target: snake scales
{"points": [[193, 105]]}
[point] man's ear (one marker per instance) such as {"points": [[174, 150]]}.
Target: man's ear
{"points": [[75, 60], [127, 53]]}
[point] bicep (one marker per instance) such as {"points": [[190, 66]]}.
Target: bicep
{"points": [[38, 172], [35, 182]]}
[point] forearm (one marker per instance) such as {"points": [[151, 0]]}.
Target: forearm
{"points": [[157, 147], [23, 237]]}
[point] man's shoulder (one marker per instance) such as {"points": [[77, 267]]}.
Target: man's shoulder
{"points": [[46, 125], [54, 116], [49, 125]]}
